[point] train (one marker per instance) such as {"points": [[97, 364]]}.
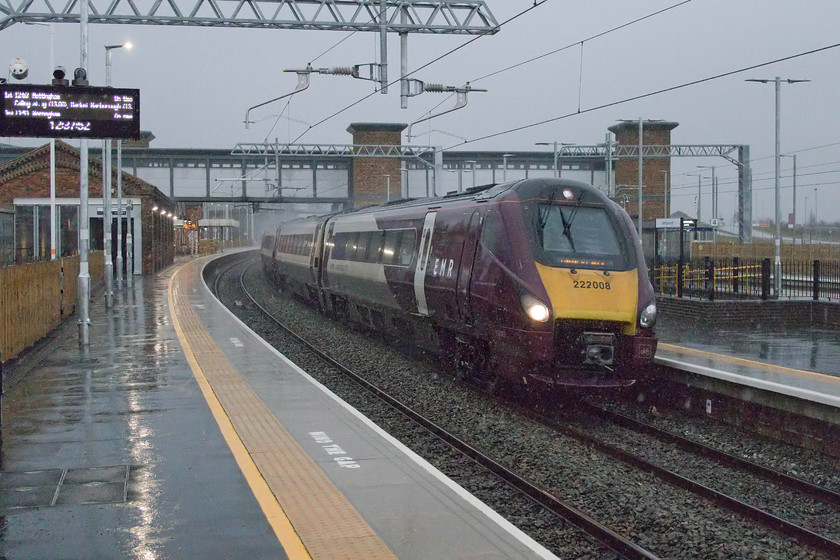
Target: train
{"points": [[539, 282]]}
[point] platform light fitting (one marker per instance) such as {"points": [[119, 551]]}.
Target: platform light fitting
{"points": [[18, 69]]}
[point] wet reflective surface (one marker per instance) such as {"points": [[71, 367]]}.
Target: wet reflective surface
{"points": [[809, 349], [111, 451]]}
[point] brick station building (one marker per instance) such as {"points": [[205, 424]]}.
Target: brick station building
{"points": [[25, 202]]}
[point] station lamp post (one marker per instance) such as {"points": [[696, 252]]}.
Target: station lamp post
{"points": [[714, 206], [777, 267], [664, 193], [472, 168], [504, 163], [106, 199], [699, 207], [793, 213], [556, 145]]}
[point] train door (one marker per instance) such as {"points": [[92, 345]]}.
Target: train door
{"points": [[325, 255], [425, 246], [315, 255], [466, 267]]}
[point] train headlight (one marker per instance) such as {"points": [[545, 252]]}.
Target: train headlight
{"points": [[647, 318], [536, 310]]}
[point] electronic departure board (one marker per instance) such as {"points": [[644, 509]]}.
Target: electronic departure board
{"points": [[47, 111]]}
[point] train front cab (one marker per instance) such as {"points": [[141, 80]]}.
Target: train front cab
{"points": [[589, 303]]}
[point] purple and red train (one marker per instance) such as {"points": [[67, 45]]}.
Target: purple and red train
{"points": [[538, 281]]}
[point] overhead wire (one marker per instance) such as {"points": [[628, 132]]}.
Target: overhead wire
{"points": [[580, 42], [566, 47], [646, 95], [427, 64]]}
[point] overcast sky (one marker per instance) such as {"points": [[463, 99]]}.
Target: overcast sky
{"points": [[196, 84]]}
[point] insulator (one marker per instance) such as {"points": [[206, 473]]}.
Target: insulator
{"points": [[434, 87], [341, 70]]}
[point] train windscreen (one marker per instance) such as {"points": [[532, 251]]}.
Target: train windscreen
{"points": [[579, 236]]}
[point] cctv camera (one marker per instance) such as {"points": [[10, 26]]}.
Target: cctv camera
{"points": [[80, 77], [18, 69], [58, 77]]}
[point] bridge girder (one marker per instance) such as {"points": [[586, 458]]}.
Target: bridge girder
{"points": [[471, 17], [652, 151], [330, 150]]}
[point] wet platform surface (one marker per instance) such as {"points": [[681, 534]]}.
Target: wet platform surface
{"points": [[111, 452], [802, 363], [809, 349]]}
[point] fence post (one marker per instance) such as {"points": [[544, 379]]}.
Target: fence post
{"points": [[735, 270], [710, 277], [680, 278], [765, 279], [1, 399], [816, 289]]}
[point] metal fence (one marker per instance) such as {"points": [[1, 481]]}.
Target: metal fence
{"points": [[739, 278]]}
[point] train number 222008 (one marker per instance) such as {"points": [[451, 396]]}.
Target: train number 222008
{"points": [[590, 285]]}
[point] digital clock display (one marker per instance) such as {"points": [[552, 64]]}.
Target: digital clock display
{"points": [[69, 111]]}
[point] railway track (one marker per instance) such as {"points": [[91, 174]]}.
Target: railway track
{"points": [[813, 500], [822, 502]]}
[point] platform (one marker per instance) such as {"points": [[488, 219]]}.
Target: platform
{"points": [[180, 434], [802, 363]]}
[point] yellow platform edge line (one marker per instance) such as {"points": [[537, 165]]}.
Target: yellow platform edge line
{"points": [[744, 361], [273, 511]]}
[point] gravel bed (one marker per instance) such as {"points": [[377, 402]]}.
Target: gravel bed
{"points": [[790, 505], [670, 522], [816, 468]]}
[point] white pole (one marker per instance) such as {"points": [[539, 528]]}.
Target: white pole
{"points": [[53, 221], [84, 221], [640, 179], [777, 266], [119, 216]]}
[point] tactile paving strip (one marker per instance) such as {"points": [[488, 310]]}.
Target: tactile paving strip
{"points": [[327, 524]]}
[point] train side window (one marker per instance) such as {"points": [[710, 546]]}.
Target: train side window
{"points": [[407, 247], [374, 248], [491, 237], [352, 243], [361, 246], [393, 238], [339, 248]]}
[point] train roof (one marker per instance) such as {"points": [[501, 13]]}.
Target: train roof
{"points": [[541, 187], [527, 188]]}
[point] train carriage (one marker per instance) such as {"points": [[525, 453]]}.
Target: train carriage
{"points": [[297, 255], [536, 281], [267, 254]]}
